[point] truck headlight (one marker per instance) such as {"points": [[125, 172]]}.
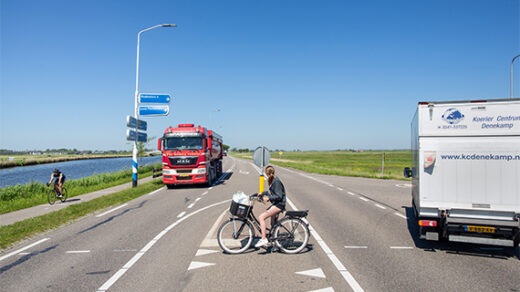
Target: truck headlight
{"points": [[169, 171], [199, 170]]}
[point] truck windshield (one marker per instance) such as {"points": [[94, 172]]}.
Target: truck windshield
{"points": [[183, 143]]}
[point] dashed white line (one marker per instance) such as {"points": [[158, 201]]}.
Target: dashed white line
{"points": [[111, 210], [337, 263], [210, 188], [23, 248], [356, 246], [351, 193], [364, 199], [155, 192], [181, 214], [400, 215], [191, 205], [197, 199], [77, 251], [339, 189], [380, 206], [401, 247], [205, 193], [24, 253], [138, 255]]}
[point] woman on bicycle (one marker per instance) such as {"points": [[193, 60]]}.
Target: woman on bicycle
{"points": [[275, 195]]}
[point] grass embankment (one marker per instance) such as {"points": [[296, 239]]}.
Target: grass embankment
{"points": [[346, 163], [25, 160], [13, 233], [18, 197]]}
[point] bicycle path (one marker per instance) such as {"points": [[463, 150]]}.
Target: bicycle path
{"points": [[19, 215]]}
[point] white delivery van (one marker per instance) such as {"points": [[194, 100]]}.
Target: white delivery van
{"points": [[466, 171]]}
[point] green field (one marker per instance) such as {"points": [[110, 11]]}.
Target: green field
{"points": [[346, 163]]}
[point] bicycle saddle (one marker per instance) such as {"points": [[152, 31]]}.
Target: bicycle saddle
{"points": [[297, 213]]}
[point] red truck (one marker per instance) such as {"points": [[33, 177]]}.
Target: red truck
{"points": [[190, 155]]}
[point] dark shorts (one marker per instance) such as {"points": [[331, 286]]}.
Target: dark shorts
{"points": [[57, 179], [279, 206]]}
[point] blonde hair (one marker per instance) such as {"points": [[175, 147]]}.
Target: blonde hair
{"points": [[269, 170]]}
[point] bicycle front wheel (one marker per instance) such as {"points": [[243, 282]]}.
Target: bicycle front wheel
{"points": [[235, 235], [64, 195], [51, 197], [291, 235]]}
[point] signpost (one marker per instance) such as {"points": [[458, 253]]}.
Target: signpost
{"points": [[132, 122], [130, 136], [154, 110], [155, 98], [261, 157]]}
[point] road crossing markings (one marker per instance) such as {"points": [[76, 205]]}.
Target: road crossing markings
{"points": [[181, 214], [356, 246], [313, 273], [23, 248], [328, 289], [201, 252], [138, 255], [364, 199], [337, 263], [400, 215], [380, 206], [78, 251], [111, 210], [401, 247], [208, 240], [196, 265]]}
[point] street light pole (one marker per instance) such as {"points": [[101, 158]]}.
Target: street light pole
{"points": [[134, 152], [512, 74]]}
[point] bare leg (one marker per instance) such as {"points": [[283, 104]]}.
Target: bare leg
{"points": [[273, 211]]}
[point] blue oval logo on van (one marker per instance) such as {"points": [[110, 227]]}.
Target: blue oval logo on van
{"points": [[452, 116]]}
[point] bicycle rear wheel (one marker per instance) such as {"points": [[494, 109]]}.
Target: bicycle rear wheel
{"points": [[64, 195], [51, 197], [291, 235], [235, 236]]}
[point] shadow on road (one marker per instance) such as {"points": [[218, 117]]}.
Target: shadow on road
{"points": [[25, 258], [112, 217], [225, 176], [457, 248]]}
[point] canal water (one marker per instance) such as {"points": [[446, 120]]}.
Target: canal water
{"points": [[72, 169]]}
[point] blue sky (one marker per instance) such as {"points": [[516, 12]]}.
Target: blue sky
{"points": [[284, 74]]}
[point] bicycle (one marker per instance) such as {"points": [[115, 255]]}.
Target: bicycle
{"points": [[290, 234], [55, 193]]}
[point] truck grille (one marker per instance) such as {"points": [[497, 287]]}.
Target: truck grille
{"points": [[184, 171], [183, 160]]}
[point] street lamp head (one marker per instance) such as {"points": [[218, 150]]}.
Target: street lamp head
{"points": [[169, 25]]}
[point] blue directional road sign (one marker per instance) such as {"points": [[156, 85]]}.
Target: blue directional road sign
{"points": [[156, 98], [130, 136], [131, 121], [154, 110]]}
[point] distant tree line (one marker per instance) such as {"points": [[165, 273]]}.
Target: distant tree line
{"points": [[60, 151]]}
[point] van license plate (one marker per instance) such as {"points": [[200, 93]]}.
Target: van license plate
{"points": [[481, 229]]}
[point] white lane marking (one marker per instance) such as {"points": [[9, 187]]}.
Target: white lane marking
{"points": [[330, 185], [156, 191], [210, 188], [208, 240], [124, 250], [197, 199], [339, 189], [243, 172], [23, 248], [364, 199], [196, 265], [138, 255], [351, 193], [24, 253], [401, 247], [77, 251], [337, 263], [356, 246], [400, 215], [191, 205], [328, 289], [201, 252], [380, 206], [181, 214], [313, 273], [205, 193], [111, 210], [403, 185], [47, 208]]}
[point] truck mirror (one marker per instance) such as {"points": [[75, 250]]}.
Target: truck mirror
{"points": [[407, 172], [159, 144]]}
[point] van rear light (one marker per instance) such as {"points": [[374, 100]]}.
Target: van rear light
{"points": [[428, 223]]}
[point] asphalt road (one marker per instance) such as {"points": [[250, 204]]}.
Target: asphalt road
{"points": [[363, 238]]}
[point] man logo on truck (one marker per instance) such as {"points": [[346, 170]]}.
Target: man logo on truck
{"points": [[452, 116]]}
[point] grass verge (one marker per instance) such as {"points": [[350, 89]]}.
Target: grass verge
{"points": [[13, 233], [345, 163], [18, 197]]}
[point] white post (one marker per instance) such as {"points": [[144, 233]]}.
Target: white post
{"points": [[134, 152]]}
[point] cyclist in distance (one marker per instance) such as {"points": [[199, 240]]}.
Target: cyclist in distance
{"points": [[59, 179], [275, 195]]}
